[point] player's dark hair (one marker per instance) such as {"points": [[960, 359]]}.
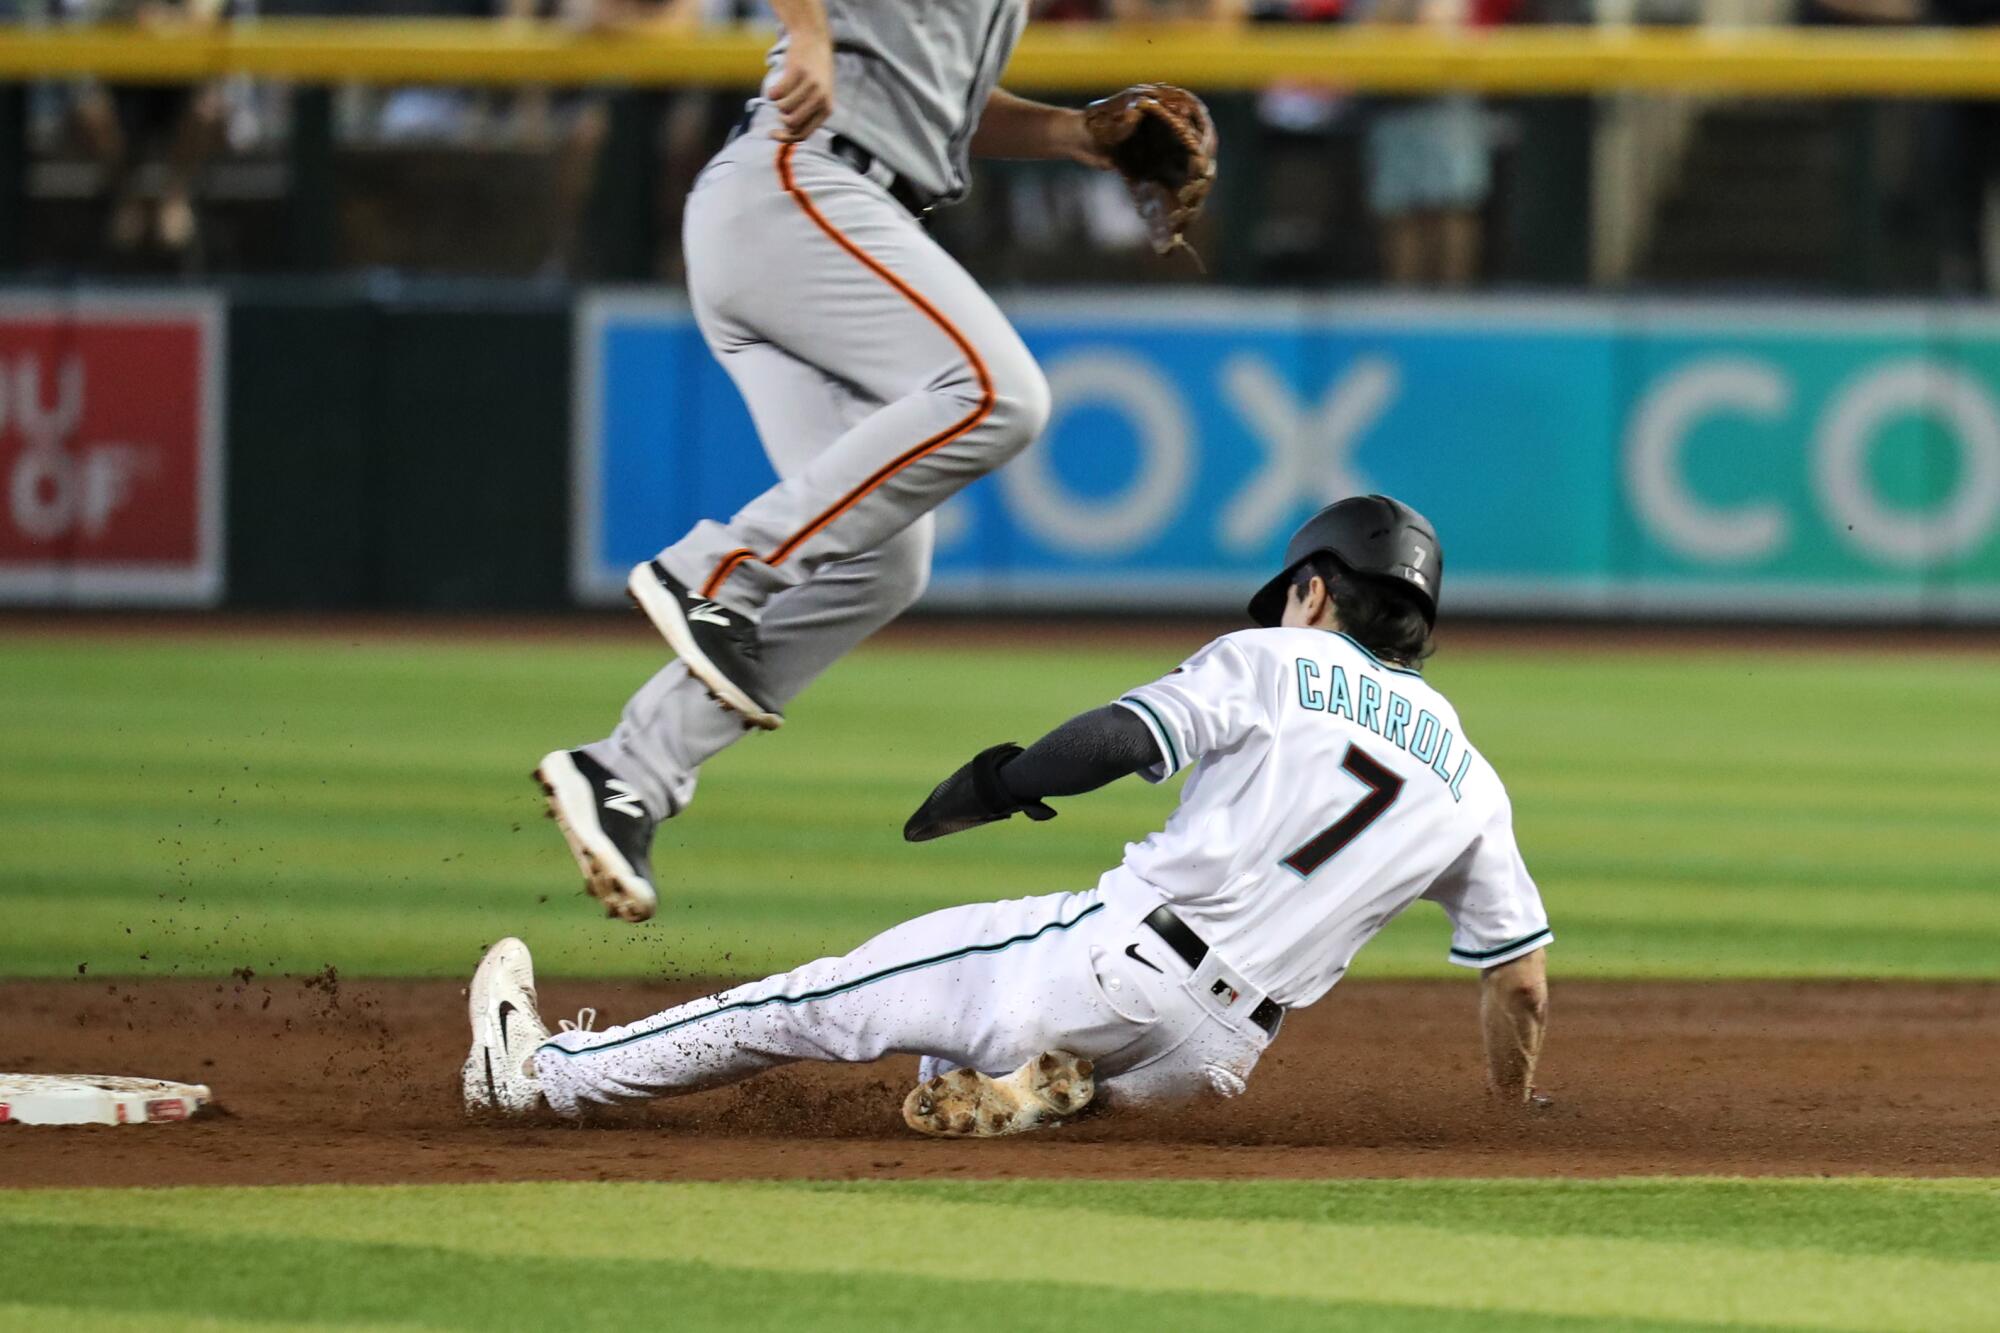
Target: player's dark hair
{"points": [[1381, 614]]}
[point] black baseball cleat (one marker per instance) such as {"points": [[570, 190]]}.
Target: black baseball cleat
{"points": [[719, 646], [608, 831]]}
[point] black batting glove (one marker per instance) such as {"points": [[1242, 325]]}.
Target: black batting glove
{"points": [[972, 796]]}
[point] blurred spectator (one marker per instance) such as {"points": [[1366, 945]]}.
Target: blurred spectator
{"points": [[1163, 11], [1971, 171], [1863, 11], [1430, 163], [1961, 142], [1309, 214], [1050, 210], [574, 126], [573, 123], [127, 126], [578, 123]]}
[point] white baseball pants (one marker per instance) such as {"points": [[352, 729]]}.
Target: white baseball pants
{"points": [[989, 985], [881, 379]]}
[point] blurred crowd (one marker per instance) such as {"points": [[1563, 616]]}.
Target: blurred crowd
{"points": [[1324, 187], [148, 144]]}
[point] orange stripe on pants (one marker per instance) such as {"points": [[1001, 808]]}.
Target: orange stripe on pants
{"points": [[731, 562]]}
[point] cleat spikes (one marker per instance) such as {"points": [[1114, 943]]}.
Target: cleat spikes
{"points": [[609, 836], [966, 1103]]}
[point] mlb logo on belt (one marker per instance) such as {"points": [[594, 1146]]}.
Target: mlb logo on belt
{"points": [[1218, 985]]}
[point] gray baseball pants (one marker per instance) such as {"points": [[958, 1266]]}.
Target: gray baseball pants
{"points": [[881, 379]]}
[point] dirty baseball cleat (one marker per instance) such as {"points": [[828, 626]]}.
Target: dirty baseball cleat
{"points": [[608, 830], [967, 1104], [506, 1028], [719, 646]]}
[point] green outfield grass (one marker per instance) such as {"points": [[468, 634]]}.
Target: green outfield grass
{"points": [[1434, 1256], [201, 804]]}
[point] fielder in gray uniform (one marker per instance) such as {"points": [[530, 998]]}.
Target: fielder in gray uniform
{"points": [[880, 377]]}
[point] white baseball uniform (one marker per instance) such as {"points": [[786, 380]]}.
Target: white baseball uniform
{"points": [[881, 378], [1329, 792]]}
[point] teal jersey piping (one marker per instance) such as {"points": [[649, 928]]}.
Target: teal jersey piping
{"points": [[831, 991], [1509, 947], [1166, 737]]}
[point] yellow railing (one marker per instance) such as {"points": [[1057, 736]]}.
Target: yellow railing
{"points": [[1768, 61]]}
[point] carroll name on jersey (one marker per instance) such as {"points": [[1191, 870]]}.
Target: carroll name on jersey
{"points": [[1366, 702]]}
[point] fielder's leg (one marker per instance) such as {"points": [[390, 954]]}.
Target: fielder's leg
{"points": [[609, 797], [672, 726], [789, 246]]}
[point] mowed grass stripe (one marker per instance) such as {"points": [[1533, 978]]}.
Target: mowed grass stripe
{"points": [[366, 804], [152, 1280], [28, 1317], [888, 1233], [1940, 1219]]}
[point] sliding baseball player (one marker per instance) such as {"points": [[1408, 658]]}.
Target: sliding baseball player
{"points": [[881, 378], [1331, 788]]}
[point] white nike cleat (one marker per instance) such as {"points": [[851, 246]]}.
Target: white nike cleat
{"points": [[607, 829], [966, 1104], [499, 1073]]}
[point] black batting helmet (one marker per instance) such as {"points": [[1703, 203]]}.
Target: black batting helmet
{"points": [[1370, 534]]}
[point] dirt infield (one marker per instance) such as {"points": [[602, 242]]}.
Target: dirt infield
{"points": [[325, 1080]]}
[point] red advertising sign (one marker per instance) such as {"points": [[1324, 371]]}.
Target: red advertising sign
{"points": [[110, 450]]}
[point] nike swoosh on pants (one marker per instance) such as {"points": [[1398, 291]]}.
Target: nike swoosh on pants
{"points": [[1132, 952]]}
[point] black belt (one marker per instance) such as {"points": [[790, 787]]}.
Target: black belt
{"points": [[854, 155], [863, 161], [1193, 948]]}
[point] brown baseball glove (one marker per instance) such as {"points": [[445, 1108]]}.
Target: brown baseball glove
{"points": [[1163, 143]]}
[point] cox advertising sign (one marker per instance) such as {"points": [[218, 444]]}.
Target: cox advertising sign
{"points": [[1724, 459], [111, 450]]}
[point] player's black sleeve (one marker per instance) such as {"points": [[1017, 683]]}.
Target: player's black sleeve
{"points": [[1002, 781], [1083, 754]]}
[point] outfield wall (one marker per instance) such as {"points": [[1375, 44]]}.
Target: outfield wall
{"points": [[499, 446], [1611, 457]]}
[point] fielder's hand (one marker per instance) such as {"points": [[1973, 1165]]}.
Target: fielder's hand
{"points": [[803, 93], [972, 796]]}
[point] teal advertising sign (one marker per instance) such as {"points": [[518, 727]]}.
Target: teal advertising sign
{"points": [[1716, 459]]}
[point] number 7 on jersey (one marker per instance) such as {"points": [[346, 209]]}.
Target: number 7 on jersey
{"points": [[1383, 788]]}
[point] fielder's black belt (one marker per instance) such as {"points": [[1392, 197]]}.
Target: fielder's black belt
{"points": [[1193, 948], [854, 155], [863, 161]]}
